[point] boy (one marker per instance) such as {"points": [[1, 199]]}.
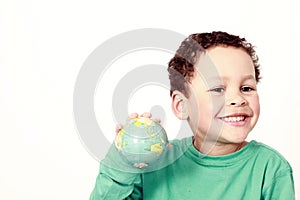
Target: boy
{"points": [[213, 79]]}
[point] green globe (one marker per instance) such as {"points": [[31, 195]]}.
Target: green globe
{"points": [[142, 141]]}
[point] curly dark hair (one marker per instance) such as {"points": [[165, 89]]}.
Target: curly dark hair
{"points": [[181, 66]]}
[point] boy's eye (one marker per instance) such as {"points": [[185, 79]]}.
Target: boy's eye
{"points": [[247, 89], [218, 90]]}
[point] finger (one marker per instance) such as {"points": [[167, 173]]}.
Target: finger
{"points": [[133, 115], [147, 115], [157, 120], [118, 128]]}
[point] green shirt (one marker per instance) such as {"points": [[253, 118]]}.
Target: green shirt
{"points": [[254, 172]]}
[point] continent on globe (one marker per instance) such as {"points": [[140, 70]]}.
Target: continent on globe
{"points": [[142, 142]]}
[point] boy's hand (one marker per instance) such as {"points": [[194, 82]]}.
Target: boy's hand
{"points": [[132, 116], [135, 115]]}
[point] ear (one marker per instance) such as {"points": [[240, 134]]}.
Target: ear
{"points": [[179, 105]]}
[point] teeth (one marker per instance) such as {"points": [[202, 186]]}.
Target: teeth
{"points": [[234, 119]]}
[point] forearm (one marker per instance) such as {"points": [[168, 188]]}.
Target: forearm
{"points": [[115, 181], [107, 187]]}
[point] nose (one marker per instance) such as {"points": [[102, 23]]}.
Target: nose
{"points": [[236, 100]]}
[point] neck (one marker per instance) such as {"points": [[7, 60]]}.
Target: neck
{"points": [[214, 148]]}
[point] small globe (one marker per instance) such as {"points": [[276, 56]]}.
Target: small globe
{"points": [[142, 142]]}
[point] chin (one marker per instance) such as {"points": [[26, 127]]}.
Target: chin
{"points": [[235, 138]]}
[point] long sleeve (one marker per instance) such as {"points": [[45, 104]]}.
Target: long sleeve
{"points": [[113, 184], [117, 179], [282, 187]]}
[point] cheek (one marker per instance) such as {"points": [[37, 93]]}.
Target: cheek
{"points": [[208, 110], [257, 109], [218, 105], [254, 104], [200, 111], [207, 107]]}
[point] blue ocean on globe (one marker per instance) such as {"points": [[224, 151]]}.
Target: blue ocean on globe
{"points": [[142, 142]]}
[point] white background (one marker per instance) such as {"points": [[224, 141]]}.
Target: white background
{"points": [[44, 43]]}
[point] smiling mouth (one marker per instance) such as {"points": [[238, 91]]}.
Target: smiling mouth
{"points": [[234, 119]]}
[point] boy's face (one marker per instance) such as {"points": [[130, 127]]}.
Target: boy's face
{"points": [[224, 105]]}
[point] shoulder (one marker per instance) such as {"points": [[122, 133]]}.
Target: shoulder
{"points": [[269, 156], [266, 150], [277, 172]]}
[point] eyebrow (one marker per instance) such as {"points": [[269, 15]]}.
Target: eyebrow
{"points": [[217, 78]]}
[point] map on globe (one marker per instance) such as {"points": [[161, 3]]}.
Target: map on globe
{"points": [[142, 141]]}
